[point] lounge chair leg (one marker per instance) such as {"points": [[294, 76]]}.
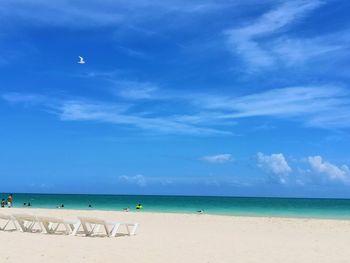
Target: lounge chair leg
{"points": [[114, 230], [66, 226], [96, 229], [3, 228], [14, 223], [47, 228], [75, 228], [133, 232]]}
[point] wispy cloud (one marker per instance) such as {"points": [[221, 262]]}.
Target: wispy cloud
{"points": [[323, 105], [138, 180], [294, 52], [78, 14], [114, 113], [318, 106], [27, 99], [133, 52], [264, 42], [135, 89], [61, 14], [78, 110], [219, 158], [276, 164]]}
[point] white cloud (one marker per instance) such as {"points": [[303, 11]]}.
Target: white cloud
{"points": [[138, 179], [332, 171], [219, 158], [275, 164], [265, 44]]}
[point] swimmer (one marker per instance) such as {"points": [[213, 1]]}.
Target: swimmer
{"points": [[139, 206]]}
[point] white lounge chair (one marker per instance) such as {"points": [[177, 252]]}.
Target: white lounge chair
{"points": [[7, 219], [52, 224], [91, 226], [27, 222]]}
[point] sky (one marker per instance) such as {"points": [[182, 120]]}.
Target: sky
{"points": [[234, 98]]}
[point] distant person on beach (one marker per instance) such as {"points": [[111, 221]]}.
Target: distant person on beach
{"points": [[9, 200], [29, 204], [126, 209], [200, 211], [3, 202]]}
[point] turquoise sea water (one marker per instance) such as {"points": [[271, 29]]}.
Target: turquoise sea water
{"points": [[241, 206]]}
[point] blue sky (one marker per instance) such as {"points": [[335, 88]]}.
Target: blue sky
{"points": [[245, 98]]}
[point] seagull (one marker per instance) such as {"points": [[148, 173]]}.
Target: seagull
{"points": [[81, 61]]}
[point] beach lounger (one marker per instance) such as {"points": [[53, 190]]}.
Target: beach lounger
{"points": [[8, 219], [91, 226], [27, 222], [52, 224]]}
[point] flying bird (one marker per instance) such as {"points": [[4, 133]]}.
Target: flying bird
{"points": [[81, 61]]}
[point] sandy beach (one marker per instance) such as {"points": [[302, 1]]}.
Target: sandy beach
{"points": [[165, 237]]}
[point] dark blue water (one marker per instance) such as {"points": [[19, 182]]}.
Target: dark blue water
{"points": [[242, 206]]}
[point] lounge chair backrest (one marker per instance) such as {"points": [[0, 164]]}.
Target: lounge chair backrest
{"points": [[25, 217], [27, 222], [111, 227], [50, 219], [92, 220], [6, 217]]}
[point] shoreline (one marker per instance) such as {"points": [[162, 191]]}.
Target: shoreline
{"points": [[180, 213], [28, 209], [174, 237]]}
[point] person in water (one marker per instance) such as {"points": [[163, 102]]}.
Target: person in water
{"points": [[139, 206], [9, 200], [3, 203]]}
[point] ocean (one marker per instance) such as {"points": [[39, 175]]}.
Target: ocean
{"points": [[236, 206]]}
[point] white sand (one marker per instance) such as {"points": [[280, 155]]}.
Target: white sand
{"points": [[167, 238]]}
